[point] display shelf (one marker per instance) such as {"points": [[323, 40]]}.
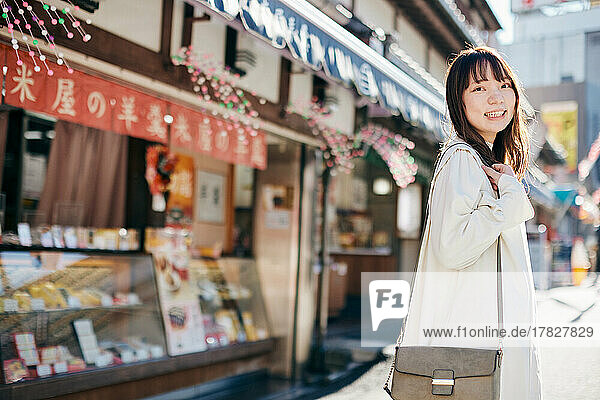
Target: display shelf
{"points": [[384, 251], [60, 385], [15, 247], [118, 307]]}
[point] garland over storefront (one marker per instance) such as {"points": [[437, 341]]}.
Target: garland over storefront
{"points": [[91, 101]]}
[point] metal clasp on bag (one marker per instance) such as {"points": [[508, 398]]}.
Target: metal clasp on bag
{"points": [[444, 382]]}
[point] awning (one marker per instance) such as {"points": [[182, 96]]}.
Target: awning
{"points": [[317, 41]]}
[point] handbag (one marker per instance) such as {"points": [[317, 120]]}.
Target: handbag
{"points": [[430, 372]]}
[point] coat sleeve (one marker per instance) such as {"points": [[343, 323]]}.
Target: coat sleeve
{"points": [[465, 219]]}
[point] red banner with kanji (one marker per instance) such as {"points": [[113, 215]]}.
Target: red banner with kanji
{"points": [[92, 101]]}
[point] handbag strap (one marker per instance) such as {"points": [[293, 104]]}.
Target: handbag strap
{"points": [[498, 271]]}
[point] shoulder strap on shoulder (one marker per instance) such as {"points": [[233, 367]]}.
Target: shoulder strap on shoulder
{"points": [[444, 154]]}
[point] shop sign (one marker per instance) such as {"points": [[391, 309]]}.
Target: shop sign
{"points": [[314, 45], [181, 194], [94, 102]]}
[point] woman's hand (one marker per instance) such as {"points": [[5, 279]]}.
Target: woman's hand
{"points": [[495, 172]]}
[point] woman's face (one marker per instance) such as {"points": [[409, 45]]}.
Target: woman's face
{"points": [[489, 104]]}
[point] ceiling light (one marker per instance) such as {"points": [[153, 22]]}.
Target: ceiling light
{"points": [[382, 186]]}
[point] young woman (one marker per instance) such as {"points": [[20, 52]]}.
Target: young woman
{"points": [[472, 206]]}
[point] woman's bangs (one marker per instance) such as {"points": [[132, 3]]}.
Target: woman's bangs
{"points": [[477, 67]]}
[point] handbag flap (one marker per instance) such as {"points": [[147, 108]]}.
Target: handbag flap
{"points": [[465, 362]]}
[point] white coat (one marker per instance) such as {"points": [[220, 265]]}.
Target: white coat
{"points": [[465, 220]]}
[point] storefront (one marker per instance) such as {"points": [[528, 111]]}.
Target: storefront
{"points": [[108, 283]]}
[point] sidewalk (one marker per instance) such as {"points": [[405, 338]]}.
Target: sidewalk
{"points": [[567, 373]]}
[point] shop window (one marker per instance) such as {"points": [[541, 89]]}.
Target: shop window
{"points": [[25, 161], [60, 173], [364, 210], [37, 140], [243, 210]]}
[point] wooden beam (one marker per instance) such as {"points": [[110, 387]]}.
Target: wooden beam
{"points": [[284, 85], [230, 210], [166, 31], [188, 19]]}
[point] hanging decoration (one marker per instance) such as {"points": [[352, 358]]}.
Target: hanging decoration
{"points": [[215, 83], [160, 164], [21, 22], [339, 149], [393, 149]]}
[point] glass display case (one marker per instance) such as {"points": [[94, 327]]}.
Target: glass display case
{"points": [[63, 312], [209, 303], [121, 317]]}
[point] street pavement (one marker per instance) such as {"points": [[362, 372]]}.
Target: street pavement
{"points": [[568, 373]]}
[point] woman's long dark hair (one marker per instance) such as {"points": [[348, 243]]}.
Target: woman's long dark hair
{"points": [[512, 144]]}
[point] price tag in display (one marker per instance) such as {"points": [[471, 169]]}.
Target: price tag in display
{"points": [[11, 305], [106, 300], [74, 302], [123, 244], [24, 233], [70, 241], [46, 239], [29, 356], [156, 351], [103, 359], [25, 340], [133, 298], [142, 354], [38, 304], [44, 370], [60, 367], [127, 356]]}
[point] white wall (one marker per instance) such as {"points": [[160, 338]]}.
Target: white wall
{"points": [[545, 48], [437, 64], [343, 117], [411, 41], [263, 78], [208, 37], [177, 30], [378, 13], [136, 20], [301, 86], [543, 62], [536, 26]]}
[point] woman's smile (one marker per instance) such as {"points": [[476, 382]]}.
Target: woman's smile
{"points": [[495, 115]]}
